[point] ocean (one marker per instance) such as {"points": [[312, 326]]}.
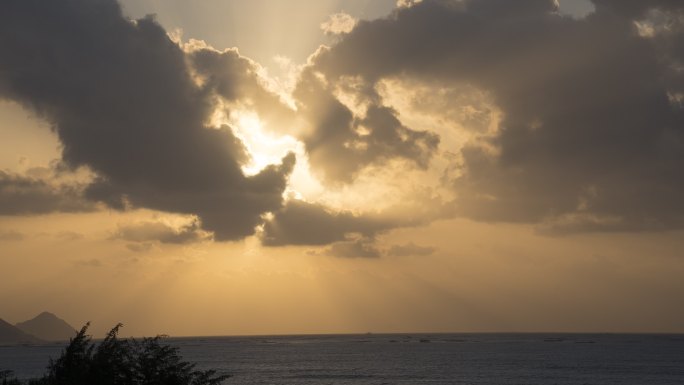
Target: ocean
{"points": [[418, 359]]}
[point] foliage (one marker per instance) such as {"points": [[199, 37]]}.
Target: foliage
{"points": [[116, 361], [7, 378]]}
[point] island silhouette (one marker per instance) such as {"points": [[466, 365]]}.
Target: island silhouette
{"points": [[12, 335], [48, 327], [45, 327]]}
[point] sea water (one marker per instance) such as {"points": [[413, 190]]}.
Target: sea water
{"points": [[418, 358]]}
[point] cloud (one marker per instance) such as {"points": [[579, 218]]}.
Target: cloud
{"points": [[342, 142], [23, 194], [303, 223], [338, 24], [69, 236], [348, 233], [93, 263], [636, 8], [11, 235], [589, 136], [157, 231], [124, 103], [359, 248], [410, 249], [237, 80], [366, 247], [407, 3], [140, 247], [554, 129]]}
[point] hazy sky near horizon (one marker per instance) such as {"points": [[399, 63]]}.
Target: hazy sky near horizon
{"points": [[266, 167]]}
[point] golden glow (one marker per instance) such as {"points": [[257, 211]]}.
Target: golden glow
{"points": [[267, 148], [264, 148], [26, 140], [481, 277], [495, 277]]}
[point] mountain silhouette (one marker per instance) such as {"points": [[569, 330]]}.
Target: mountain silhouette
{"points": [[48, 327], [10, 335]]}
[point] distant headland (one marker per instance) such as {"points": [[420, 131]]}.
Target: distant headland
{"points": [[45, 327]]}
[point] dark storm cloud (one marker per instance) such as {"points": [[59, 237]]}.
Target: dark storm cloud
{"points": [[236, 79], [145, 232], [302, 223], [348, 234], [591, 136], [27, 195], [636, 8], [122, 101], [340, 143]]}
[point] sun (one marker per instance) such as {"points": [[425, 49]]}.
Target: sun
{"points": [[264, 148], [268, 148]]}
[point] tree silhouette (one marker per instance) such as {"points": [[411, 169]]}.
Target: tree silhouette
{"points": [[116, 361], [7, 378]]}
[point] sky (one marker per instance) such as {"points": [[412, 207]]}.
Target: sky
{"points": [[224, 167]]}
